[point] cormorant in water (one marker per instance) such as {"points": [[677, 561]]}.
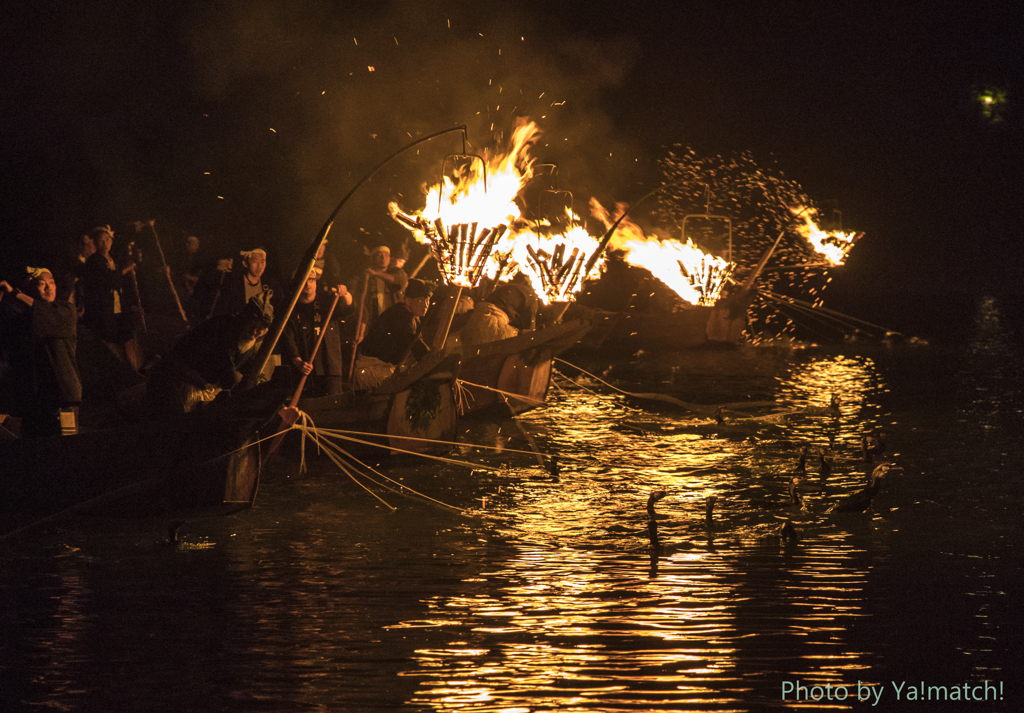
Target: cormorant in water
{"points": [[652, 521], [709, 517], [553, 467], [795, 500], [859, 501], [825, 469], [801, 465], [873, 446], [833, 406], [788, 531]]}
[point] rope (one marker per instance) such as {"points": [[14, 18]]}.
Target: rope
{"points": [[837, 316], [429, 440], [333, 452], [505, 394], [462, 396], [526, 434], [696, 408], [452, 461]]}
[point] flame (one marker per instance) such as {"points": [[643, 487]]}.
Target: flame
{"points": [[692, 274], [833, 245], [696, 276], [555, 264], [466, 215]]}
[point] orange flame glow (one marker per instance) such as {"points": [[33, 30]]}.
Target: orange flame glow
{"points": [[833, 245], [466, 215], [696, 276], [555, 264]]}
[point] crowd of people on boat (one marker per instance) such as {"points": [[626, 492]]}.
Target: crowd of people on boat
{"points": [[176, 335]]}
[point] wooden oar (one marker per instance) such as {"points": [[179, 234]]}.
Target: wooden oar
{"points": [[135, 288], [290, 413], [359, 326]]}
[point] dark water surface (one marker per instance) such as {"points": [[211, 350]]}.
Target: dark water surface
{"points": [[544, 594]]}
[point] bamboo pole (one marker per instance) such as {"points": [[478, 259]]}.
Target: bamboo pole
{"points": [[290, 413], [359, 326], [167, 270], [309, 259]]}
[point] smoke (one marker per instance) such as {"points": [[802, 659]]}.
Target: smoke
{"points": [[306, 98]]}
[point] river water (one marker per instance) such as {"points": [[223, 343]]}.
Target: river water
{"points": [[543, 592]]}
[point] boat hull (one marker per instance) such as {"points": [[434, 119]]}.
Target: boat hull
{"points": [[414, 403], [688, 328], [200, 464], [514, 374]]}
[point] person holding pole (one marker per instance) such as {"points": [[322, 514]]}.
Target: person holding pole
{"points": [[107, 309], [311, 323]]}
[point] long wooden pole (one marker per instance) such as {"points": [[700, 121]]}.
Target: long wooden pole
{"points": [[752, 277], [606, 238], [308, 260], [135, 289], [357, 337], [167, 270], [289, 414], [421, 263]]}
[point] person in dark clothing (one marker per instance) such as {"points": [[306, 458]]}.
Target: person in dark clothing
{"points": [[207, 360], [381, 287], [243, 284], [107, 306], [392, 336], [301, 333], [84, 249], [43, 332], [187, 267]]}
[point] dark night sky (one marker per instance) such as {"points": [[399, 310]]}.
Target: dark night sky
{"points": [[246, 121]]}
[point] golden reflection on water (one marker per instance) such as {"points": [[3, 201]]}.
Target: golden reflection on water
{"points": [[589, 616]]}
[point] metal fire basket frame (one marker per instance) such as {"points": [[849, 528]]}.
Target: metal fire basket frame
{"points": [[709, 216]]}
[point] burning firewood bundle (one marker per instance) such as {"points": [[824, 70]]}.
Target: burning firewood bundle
{"points": [[559, 277], [833, 245], [462, 251], [694, 275], [554, 264], [707, 278]]}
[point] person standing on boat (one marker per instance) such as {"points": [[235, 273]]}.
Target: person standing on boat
{"points": [[392, 336], [241, 286], [44, 336], [108, 312], [303, 330], [84, 248], [384, 285], [208, 359]]}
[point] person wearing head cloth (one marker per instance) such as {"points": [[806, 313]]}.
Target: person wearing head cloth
{"points": [[511, 308], [209, 358], [107, 309], [384, 285], [43, 333], [325, 370], [393, 336], [243, 283]]}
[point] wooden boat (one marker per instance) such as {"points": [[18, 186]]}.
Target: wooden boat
{"points": [[516, 370], [414, 403], [688, 327], [203, 463]]}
